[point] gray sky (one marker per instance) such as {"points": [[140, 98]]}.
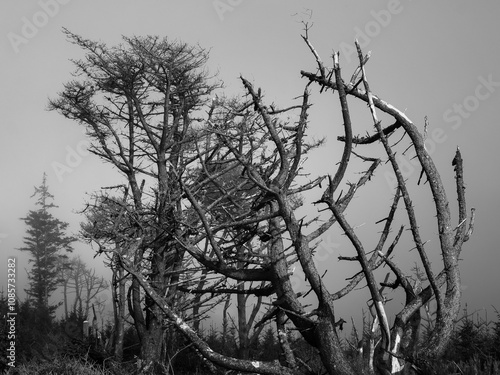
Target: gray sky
{"points": [[436, 59]]}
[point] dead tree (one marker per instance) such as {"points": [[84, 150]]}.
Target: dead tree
{"points": [[397, 349], [269, 154], [226, 207]]}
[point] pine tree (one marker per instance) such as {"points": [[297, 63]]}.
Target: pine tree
{"points": [[270, 346], [46, 242]]}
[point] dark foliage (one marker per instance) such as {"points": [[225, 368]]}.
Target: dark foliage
{"points": [[46, 243], [61, 347], [475, 345]]}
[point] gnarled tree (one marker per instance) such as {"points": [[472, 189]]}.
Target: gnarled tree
{"points": [[228, 205], [138, 103]]}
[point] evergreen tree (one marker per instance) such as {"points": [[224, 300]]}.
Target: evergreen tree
{"points": [[45, 241], [496, 337], [270, 347]]}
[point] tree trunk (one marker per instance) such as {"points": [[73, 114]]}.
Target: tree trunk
{"points": [[118, 309], [283, 340], [65, 294], [329, 345], [243, 349], [225, 325], [152, 347], [243, 326]]}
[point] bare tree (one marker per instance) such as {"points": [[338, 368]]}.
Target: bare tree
{"points": [[398, 343], [138, 102], [275, 175], [228, 197], [104, 221], [119, 304], [77, 278]]}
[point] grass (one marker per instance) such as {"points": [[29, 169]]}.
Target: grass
{"points": [[60, 366]]}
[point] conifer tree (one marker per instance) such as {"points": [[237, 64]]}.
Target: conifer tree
{"points": [[47, 243]]}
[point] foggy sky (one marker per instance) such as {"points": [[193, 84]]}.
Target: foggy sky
{"points": [[435, 59]]}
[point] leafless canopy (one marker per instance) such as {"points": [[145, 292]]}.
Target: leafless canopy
{"points": [[222, 185]]}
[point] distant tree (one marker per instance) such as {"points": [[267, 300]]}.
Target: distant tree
{"points": [[468, 339], [47, 244], [270, 349], [473, 341], [496, 337], [30, 335], [77, 278]]}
